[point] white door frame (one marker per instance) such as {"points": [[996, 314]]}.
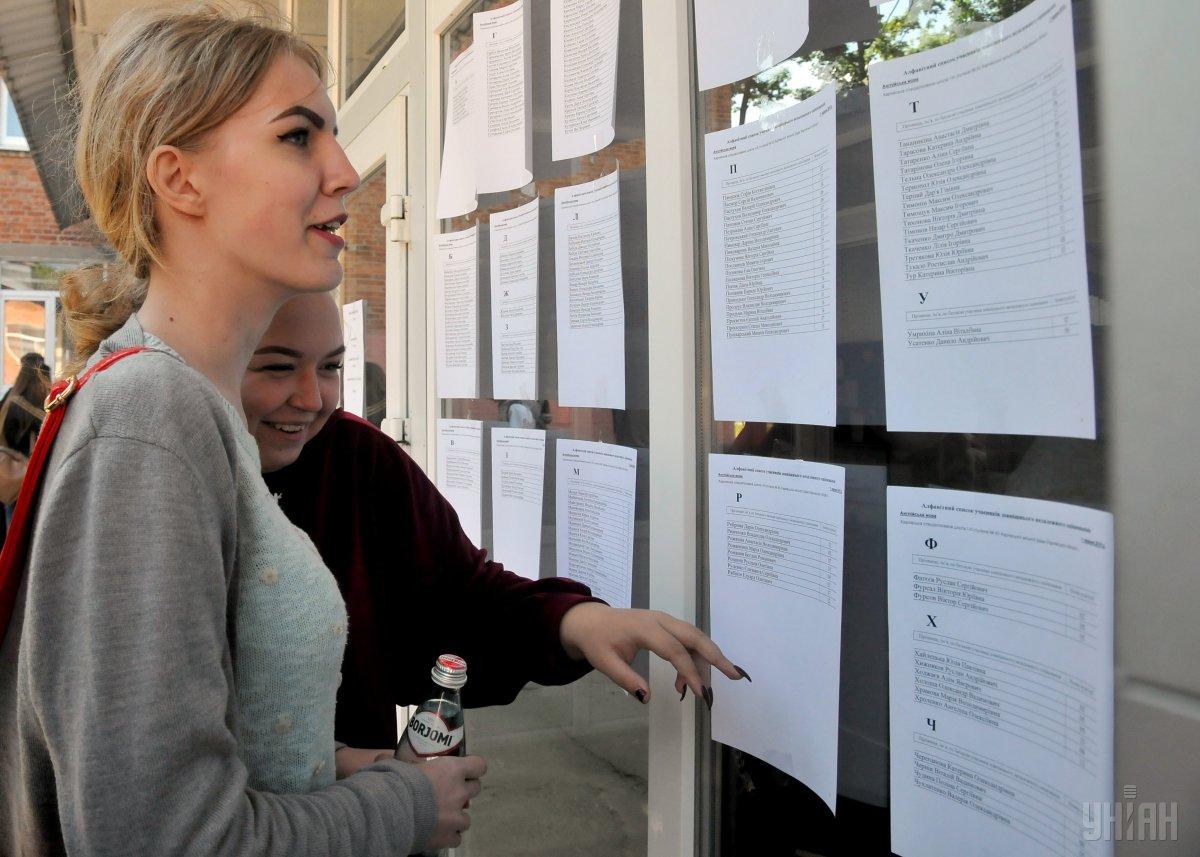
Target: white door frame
{"points": [[671, 268]]}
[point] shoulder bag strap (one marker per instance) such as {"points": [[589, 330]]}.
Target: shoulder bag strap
{"points": [[32, 410], [16, 543]]}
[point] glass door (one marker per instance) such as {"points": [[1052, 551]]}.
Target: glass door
{"points": [[568, 766], [751, 794], [376, 264]]}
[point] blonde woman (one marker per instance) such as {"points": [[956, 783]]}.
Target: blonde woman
{"points": [[167, 679]]}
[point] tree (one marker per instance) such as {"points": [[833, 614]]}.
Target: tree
{"points": [[965, 12], [910, 27], [768, 88]]}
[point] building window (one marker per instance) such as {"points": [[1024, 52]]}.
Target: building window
{"points": [[1038, 467], [11, 135]]}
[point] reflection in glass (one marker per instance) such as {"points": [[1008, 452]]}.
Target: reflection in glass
{"points": [[312, 23], [365, 263], [751, 794], [369, 28], [64, 344], [568, 765], [24, 332]]}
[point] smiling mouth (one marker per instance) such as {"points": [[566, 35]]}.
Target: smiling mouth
{"points": [[287, 428]]}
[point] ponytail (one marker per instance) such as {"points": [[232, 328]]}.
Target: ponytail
{"points": [[97, 300]]}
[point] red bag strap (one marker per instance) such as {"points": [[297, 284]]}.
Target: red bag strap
{"points": [[16, 543]]}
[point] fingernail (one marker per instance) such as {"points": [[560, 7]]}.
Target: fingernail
{"points": [[708, 696], [743, 673], [641, 695], [682, 695]]}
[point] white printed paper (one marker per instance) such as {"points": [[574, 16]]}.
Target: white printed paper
{"points": [[589, 292], [460, 472], [736, 39], [775, 583], [514, 273], [772, 251], [595, 491], [354, 360], [518, 470], [456, 291], [505, 154], [1000, 619], [583, 75], [461, 143], [982, 261]]}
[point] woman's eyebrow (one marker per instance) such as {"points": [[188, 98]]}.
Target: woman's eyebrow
{"points": [[335, 352], [311, 115], [279, 349]]}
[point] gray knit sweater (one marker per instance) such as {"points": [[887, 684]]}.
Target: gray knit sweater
{"points": [[141, 708]]}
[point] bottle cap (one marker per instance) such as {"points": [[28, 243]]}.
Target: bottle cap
{"points": [[450, 671]]}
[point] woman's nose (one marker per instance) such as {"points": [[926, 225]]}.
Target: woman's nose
{"points": [[341, 177], [308, 395]]}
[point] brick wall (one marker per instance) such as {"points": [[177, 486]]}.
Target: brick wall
{"points": [[25, 210], [718, 108], [365, 262]]}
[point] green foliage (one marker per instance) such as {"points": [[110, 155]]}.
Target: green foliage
{"points": [[768, 88], [910, 27], [986, 11], [43, 276]]}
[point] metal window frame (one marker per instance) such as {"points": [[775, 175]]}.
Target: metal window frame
{"points": [[678, 734]]}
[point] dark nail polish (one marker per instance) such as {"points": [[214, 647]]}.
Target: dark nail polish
{"points": [[641, 695], [743, 673], [682, 695], [708, 696]]}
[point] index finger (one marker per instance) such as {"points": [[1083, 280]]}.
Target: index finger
{"points": [[695, 640], [668, 647]]}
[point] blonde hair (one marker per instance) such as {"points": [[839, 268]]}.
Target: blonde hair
{"points": [[161, 77]]}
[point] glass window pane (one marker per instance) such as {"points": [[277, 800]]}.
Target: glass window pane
{"points": [[24, 332], [64, 345], [16, 275], [12, 125], [312, 23], [1050, 468], [369, 27], [365, 263], [576, 755]]}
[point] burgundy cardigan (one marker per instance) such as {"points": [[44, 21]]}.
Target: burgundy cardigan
{"points": [[415, 586]]}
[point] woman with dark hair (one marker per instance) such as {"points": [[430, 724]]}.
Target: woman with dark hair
{"points": [[404, 564], [21, 417]]}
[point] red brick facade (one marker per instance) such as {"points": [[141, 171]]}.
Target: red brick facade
{"points": [[25, 210], [365, 262]]}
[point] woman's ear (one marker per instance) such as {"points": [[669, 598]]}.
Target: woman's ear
{"points": [[170, 172]]}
